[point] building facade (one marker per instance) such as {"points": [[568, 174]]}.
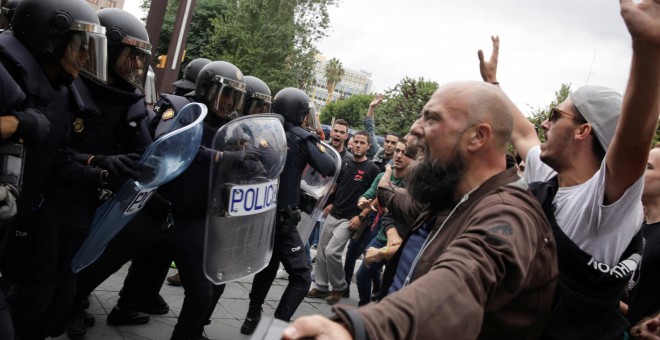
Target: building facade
{"points": [[353, 82], [100, 4]]}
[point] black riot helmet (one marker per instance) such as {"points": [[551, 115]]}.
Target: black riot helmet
{"points": [[6, 12], [128, 46], [293, 104], [221, 86], [190, 73], [63, 32], [257, 96]]}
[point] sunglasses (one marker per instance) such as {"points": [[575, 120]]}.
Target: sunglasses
{"points": [[555, 113]]}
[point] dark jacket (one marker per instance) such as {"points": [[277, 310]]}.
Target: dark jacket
{"points": [[489, 274]]}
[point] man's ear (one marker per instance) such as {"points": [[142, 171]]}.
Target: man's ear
{"points": [[480, 135], [583, 131]]}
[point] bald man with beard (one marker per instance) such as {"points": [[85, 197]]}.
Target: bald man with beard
{"points": [[480, 260]]}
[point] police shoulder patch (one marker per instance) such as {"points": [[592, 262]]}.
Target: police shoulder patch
{"points": [[320, 147], [168, 114]]}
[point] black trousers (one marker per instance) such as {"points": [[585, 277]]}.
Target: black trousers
{"points": [[185, 241], [289, 250], [37, 266]]}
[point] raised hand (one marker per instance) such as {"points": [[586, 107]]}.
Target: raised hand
{"points": [[376, 101], [488, 69], [643, 21]]}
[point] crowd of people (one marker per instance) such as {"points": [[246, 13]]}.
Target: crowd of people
{"points": [[457, 239]]}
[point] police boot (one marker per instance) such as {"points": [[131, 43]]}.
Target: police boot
{"points": [[251, 320], [126, 316], [78, 320], [155, 305]]}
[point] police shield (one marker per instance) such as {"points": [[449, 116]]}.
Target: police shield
{"points": [[164, 160], [314, 192], [242, 197]]}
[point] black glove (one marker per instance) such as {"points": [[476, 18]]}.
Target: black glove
{"points": [[32, 125], [118, 165]]}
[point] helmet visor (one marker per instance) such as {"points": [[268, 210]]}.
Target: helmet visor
{"points": [[260, 103], [132, 65], [313, 123], [150, 94], [225, 97], [87, 50]]}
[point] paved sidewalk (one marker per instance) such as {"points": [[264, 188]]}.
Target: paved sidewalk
{"points": [[225, 322]]}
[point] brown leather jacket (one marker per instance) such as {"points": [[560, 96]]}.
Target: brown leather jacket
{"points": [[489, 274]]}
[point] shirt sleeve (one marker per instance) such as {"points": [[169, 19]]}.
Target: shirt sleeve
{"points": [[373, 189]]}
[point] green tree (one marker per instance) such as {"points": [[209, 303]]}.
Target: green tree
{"points": [[270, 39], [351, 109], [403, 104], [334, 70]]}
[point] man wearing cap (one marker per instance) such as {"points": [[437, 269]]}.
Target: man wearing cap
{"points": [[588, 176]]}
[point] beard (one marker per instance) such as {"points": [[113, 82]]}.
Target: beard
{"points": [[434, 181]]}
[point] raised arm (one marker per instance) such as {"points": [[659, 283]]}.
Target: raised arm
{"points": [[523, 136], [628, 152], [370, 125]]}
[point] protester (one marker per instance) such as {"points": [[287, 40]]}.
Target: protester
{"points": [[644, 296], [338, 137], [387, 238], [479, 261], [380, 156], [343, 218], [590, 179]]}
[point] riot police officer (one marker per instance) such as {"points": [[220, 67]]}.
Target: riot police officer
{"points": [[172, 225], [6, 12], [50, 43], [111, 129], [257, 96], [186, 84], [303, 148]]}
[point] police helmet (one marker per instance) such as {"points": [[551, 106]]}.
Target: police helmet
{"points": [[128, 45], [293, 104], [221, 86], [6, 13], [257, 96], [190, 73], [64, 32]]}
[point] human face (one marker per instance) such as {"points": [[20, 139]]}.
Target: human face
{"points": [[360, 146], [440, 128], [401, 161], [559, 129], [389, 145], [350, 143], [652, 176], [338, 135]]}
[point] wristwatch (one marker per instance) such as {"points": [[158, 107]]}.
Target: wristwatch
{"points": [[361, 218]]}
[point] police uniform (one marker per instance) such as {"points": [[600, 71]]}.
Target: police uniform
{"points": [[303, 148], [173, 224]]}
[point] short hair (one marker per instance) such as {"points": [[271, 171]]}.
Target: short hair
{"points": [[657, 145], [363, 133], [341, 122], [392, 133], [596, 146]]}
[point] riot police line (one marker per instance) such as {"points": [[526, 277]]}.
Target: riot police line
{"points": [[93, 178]]}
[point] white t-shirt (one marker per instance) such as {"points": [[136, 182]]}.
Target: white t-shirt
{"points": [[602, 231]]}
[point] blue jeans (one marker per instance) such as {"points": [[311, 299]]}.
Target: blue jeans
{"points": [[314, 236], [365, 275], [357, 248]]}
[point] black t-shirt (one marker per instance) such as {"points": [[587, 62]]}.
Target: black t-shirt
{"points": [[645, 297], [354, 180]]}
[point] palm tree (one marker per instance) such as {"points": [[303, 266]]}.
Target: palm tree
{"points": [[333, 73]]}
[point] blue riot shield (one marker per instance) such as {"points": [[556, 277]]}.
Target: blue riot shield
{"points": [[242, 200], [314, 192], [164, 160]]}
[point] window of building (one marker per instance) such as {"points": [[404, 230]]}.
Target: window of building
{"points": [[112, 4], [95, 2]]}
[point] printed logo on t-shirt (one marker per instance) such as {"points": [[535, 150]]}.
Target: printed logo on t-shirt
{"points": [[622, 269], [358, 176]]}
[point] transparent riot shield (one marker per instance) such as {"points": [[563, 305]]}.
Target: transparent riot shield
{"points": [[314, 192], [164, 160], [242, 201]]}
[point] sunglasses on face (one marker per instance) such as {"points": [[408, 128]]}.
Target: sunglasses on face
{"points": [[556, 113]]}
